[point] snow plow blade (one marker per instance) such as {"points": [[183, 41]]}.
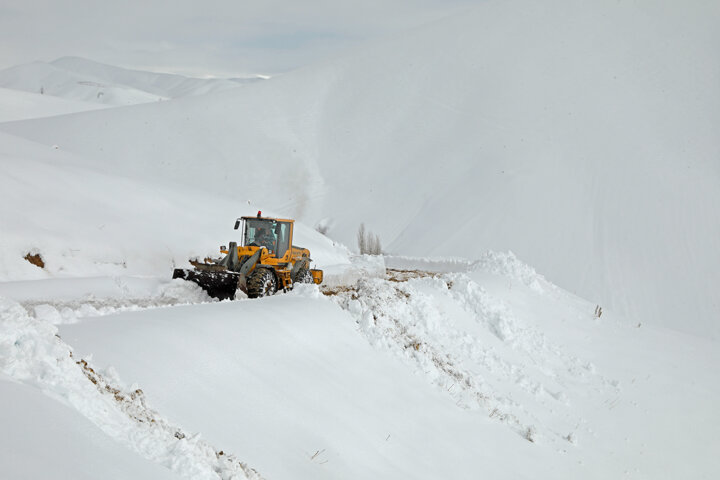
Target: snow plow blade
{"points": [[219, 284]]}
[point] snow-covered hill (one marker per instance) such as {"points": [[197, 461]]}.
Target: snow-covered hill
{"points": [[89, 222], [77, 78], [578, 135], [19, 105]]}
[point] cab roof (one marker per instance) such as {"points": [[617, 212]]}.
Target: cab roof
{"points": [[268, 218]]}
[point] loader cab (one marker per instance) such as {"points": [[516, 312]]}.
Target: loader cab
{"points": [[271, 233]]}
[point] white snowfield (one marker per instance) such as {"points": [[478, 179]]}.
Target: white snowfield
{"points": [[83, 80], [18, 105], [582, 136], [579, 135]]}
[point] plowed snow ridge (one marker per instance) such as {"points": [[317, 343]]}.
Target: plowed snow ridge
{"points": [[415, 314], [32, 352]]}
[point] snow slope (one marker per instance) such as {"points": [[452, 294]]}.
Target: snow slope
{"points": [[579, 135], [81, 79], [33, 353], [482, 371], [43, 438], [18, 105], [87, 222]]}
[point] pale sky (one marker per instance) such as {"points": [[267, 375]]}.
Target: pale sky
{"points": [[209, 37]]}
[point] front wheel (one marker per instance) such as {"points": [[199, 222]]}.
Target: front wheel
{"points": [[262, 282]]}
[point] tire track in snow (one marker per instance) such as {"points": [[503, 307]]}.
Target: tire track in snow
{"points": [[58, 311]]}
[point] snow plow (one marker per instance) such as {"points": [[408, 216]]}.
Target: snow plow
{"points": [[265, 261]]}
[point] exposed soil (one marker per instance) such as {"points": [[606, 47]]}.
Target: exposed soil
{"points": [[35, 259], [397, 275], [391, 274]]}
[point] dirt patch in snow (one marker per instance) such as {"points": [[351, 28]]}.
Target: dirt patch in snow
{"points": [[36, 259], [398, 275]]}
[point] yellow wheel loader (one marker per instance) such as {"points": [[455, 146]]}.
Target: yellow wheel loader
{"points": [[265, 261]]}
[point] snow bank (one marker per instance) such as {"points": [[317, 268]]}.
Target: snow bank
{"points": [[31, 352], [43, 438], [509, 266], [360, 266], [496, 359], [430, 264], [497, 263]]}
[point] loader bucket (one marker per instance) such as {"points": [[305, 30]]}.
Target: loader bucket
{"points": [[219, 284]]}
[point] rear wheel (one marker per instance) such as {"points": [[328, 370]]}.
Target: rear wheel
{"points": [[261, 283]]}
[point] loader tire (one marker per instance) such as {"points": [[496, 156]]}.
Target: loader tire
{"points": [[303, 276], [261, 283]]}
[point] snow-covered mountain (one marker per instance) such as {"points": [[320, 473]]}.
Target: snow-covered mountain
{"points": [[19, 105], [580, 136], [77, 78]]}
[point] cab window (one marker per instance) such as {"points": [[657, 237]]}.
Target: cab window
{"points": [[282, 231], [261, 233]]}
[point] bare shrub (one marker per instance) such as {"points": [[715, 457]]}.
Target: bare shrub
{"points": [[530, 434], [368, 242], [362, 239], [374, 246]]}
